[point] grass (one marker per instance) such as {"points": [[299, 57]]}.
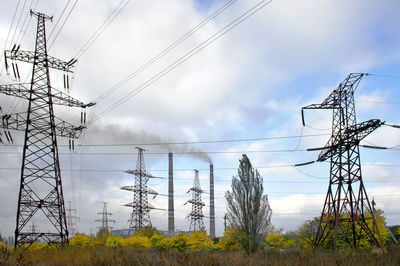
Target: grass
{"points": [[128, 256]]}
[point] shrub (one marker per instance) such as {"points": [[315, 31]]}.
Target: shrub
{"points": [[200, 241], [137, 242], [179, 242], [80, 240], [228, 242]]}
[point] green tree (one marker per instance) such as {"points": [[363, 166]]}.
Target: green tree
{"points": [[307, 233], [248, 208]]}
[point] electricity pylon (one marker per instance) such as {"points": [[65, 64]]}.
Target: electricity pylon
{"points": [[196, 215], [41, 193], [71, 216], [346, 204], [104, 218], [141, 207]]}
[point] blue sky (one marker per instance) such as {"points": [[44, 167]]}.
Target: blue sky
{"points": [[250, 83]]}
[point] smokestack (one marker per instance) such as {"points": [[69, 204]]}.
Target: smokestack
{"points": [[212, 207], [171, 225]]}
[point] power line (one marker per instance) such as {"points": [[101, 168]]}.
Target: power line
{"points": [[166, 50], [188, 55], [8, 35], [384, 75], [59, 19], [19, 20], [202, 169], [23, 31], [62, 26], [192, 142], [175, 153], [102, 28]]}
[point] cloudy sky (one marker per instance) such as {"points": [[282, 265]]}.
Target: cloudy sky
{"points": [[249, 83]]}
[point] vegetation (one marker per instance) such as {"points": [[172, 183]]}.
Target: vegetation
{"points": [[248, 209], [308, 231], [128, 256], [149, 247]]}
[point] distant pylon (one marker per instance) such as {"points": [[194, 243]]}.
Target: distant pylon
{"points": [[33, 228], [71, 217], [141, 207], [105, 220], [225, 218], [41, 193], [346, 204], [196, 215]]}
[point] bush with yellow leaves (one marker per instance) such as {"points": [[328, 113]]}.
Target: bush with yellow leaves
{"points": [[137, 242], [80, 241], [228, 242], [179, 242], [200, 241]]}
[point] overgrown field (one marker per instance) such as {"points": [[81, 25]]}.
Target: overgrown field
{"points": [[148, 247], [129, 256]]}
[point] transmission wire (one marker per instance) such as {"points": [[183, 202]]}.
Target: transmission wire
{"points": [[101, 29], [8, 35], [165, 51], [188, 55]]}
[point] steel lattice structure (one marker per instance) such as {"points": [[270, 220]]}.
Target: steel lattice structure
{"points": [[71, 217], [41, 193], [346, 204], [105, 220], [196, 215], [141, 207]]}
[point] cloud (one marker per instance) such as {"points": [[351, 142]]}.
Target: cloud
{"points": [[251, 82]]}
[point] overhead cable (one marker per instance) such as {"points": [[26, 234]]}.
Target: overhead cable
{"points": [[182, 59]]}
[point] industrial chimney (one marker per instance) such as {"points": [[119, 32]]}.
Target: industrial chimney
{"points": [[212, 206], [171, 222]]}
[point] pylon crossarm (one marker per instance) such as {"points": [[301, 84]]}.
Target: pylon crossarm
{"points": [[29, 57], [197, 202], [361, 130], [17, 122], [195, 189], [353, 135], [142, 173], [333, 101], [22, 90]]}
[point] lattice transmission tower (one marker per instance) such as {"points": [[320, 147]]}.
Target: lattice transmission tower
{"points": [[347, 213], [41, 194], [196, 215], [105, 220], [141, 207], [71, 218]]}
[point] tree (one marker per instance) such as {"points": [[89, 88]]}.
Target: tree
{"points": [[307, 233], [248, 208]]}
